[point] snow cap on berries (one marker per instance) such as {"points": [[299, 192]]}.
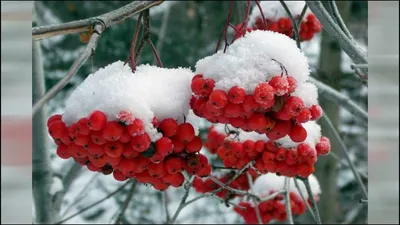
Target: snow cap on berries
{"points": [[253, 59], [151, 91], [271, 182], [273, 10], [308, 92]]}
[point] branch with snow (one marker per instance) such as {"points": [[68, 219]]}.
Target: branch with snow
{"points": [[107, 19]]}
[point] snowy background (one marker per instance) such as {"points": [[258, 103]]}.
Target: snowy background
{"points": [[181, 22]]}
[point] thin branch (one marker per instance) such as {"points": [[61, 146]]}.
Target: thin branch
{"points": [[182, 204], [246, 16], [153, 48], [344, 163], [304, 199], [90, 48], [311, 197], [250, 180], [41, 166], [108, 19], [224, 31], [341, 100], [131, 56], [344, 150], [95, 203], [338, 18], [145, 37], [262, 14], [295, 27], [233, 190], [287, 201], [126, 203], [302, 14], [353, 50], [363, 201], [274, 195], [165, 201]]}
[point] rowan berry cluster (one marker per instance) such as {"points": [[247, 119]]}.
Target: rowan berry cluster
{"points": [[273, 209], [124, 148], [269, 155], [206, 185], [270, 110]]}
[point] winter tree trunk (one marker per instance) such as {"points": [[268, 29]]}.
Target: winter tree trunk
{"points": [[326, 167]]}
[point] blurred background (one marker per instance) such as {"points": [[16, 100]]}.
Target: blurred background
{"points": [[184, 32]]}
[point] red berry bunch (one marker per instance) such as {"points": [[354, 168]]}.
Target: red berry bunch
{"points": [[206, 185], [308, 27], [270, 110], [269, 155], [273, 209], [123, 147]]}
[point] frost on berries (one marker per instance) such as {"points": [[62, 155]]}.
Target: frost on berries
{"points": [[274, 209], [132, 126]]}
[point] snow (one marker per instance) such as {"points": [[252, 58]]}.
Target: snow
{"points": [[274, 10], [312, 128], [252, 59], [150, 91], [271, 182], [308, 92]]}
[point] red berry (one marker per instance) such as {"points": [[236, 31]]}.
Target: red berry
{"points": [[174, 165], [259, 146], [280, 154], [164, 146], [95, 149], [97, 137], [323, 147], [237, 122], [280, 85], [303, 149], [293, 105], [197, 85], [249, 104], [175, 180], [156, 170], [77, 151], [140, 164], [141, 143], [125, 138], [97, 120], [113, 131], [197, 76], [256, 122], [155, 121], [218, 98], [57, 129], [83, 126], [56, 117], [81, 161], [204, 172], [156, 158], [185, 132], [232, 110], [316, 112], [285, 23], [129, 152], [292, 84], [179, 146], [168, 127], [282, 115], [304, 116], [82, 140], [97, 161], [125, 117], [263, 93], [280, 130], [119, 176], [62, 151], [136, 128], [194, 145], [114, 148], [208, 87], [268, 157], [113, 161], [249, 145], [298, 133], [236, 95]]}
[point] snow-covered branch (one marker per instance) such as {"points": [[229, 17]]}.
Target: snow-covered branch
{"points": [[107, 19]]}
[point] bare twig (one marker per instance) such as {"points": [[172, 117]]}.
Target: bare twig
{"points": [[311, 197], [287, 201], [131, 56], [126, 203], [155, 52], [363, 201], [304, 199], [341, 100], [338, 18], [233, 190], [165, 201], [302, 14], [353, 50], [183, 201], [344, 163], [250, 180], [41, 167], [262, 13], [90, 48], [344, 150], [224, 31], [295, 27], [274, 195], [108, 19], [95, 203], [246, 16], [145, 36]]}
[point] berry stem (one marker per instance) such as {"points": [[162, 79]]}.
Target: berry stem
{"points": [[250, 180], [131, 56], [304, 199], [183, 201], [153, 48], [225, 30], [287, 201], [295, 27], [262, 14], [311, 197], [302, 14], [145, 37]]}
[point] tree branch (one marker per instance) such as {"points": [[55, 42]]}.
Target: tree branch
{"points": [[145, 36], [90, 48], [182, 204], [311, 197], [131, 56], [126, 203], [95, 203], [353, 50], [339, 20], [250, 180], [108, 19], [304, 199], [261, 13], [295, 27], [341, 100], [287, 201], [41, 167], [165, 201], [344, 150]]}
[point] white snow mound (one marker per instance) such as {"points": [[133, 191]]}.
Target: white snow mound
{"points": [[252, 59], [273, 10], [150, 91]]}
